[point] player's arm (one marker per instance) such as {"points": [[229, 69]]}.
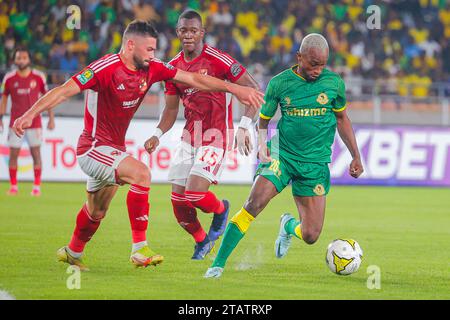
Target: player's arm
{"points": [[345, 130], [51, 114], [247, 96], [3, 103], [168, 118], [47, 102], [243, 138], [51, 120], [268, 110]]}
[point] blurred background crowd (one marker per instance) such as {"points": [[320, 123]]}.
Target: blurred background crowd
{"points": [[412, 46]]}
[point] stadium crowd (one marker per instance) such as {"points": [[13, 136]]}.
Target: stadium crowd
{"points": [[412, 46]]}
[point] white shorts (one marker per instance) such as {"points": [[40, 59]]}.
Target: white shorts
{"points": [[100, 164], [206, 162], [32, 136]]}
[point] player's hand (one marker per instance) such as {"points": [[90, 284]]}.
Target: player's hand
{"points": [[151, 144], [51, 124], [243, 141], [264, 154], [249, 96], [356, 168], [21, 124]]}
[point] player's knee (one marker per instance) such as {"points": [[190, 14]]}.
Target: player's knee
{"points": [[310, 235], [142, 176], [255, 205], [99, 213]]}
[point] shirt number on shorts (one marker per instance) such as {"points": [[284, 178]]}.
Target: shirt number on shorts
{"points": [[275, 167]]}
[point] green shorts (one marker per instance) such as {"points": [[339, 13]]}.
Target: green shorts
{"points": [[309, 179]]}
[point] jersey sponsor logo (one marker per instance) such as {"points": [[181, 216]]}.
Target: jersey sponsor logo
{"points": [[130, 104], [190, 91], [319, 190], [235, 69], [307, 112], [85, 76], [322, 99], [23, 91]]}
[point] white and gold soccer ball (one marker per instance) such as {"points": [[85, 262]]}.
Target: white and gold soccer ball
{"points": [[344, 256]]}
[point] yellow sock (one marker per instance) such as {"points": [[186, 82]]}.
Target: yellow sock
{"points": [[298, 231], [242, 220]]}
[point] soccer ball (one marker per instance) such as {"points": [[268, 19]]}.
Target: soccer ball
{"points": [[344, 256]]}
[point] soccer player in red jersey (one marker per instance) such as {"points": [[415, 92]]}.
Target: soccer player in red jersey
{"points": [[200, 156], [25, 85], [116, 85]]}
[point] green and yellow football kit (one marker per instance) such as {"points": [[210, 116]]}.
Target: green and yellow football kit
{"points": [[301, 148]]}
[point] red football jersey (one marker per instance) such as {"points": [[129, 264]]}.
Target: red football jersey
{"points": [[115, 93], [207, 110], [24, 92]]}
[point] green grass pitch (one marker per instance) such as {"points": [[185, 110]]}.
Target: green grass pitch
{"points": [[403, 231]]}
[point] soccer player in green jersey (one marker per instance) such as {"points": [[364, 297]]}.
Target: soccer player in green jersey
{"points": [[312, 102]]}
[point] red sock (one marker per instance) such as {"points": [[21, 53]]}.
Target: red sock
{"points": [[187, 217], [84, 230], [206, 201], [138, 209], [13, 176], [37, 176]]}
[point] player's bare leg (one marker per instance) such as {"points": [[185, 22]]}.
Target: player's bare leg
{"points": [[13, 162], [87, 223], [262, 192], [137, 174], [37, 166], [312, 213]]}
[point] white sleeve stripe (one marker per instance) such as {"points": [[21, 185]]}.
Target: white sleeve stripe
{"points": [[211, 54], [100, 66], [98, 62], [220, 57], [106, 65], [42, 75], [176, 57], [8, 75], [103, 63], [220, 54]]}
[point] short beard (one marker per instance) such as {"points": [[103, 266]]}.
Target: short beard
{"points": [[21, 68], [139, 64]]}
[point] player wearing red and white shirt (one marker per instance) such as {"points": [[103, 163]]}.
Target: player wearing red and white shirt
{"points": [[24, 85], [117, 85], [200, 156]]}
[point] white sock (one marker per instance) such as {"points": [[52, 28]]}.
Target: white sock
{"points": [[138, 245], [76, 255]]}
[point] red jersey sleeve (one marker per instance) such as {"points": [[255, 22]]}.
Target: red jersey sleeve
{"points": [[86, 79], [233, 70], [171, 89], [161, 71]]}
